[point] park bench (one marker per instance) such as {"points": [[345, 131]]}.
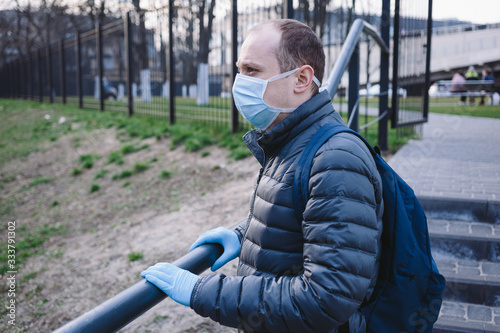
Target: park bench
{"points": [[472, 88]]}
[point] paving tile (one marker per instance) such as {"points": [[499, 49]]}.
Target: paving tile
{"points": [[491, 269], [479, 313], [453, 310]]}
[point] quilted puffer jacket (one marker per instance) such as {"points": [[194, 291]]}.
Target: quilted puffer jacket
{"points": [[310, 275]]}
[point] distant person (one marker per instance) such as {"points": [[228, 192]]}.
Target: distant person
{"points": [[108, 89], [458, 85], [487, 87], [472, 75]]}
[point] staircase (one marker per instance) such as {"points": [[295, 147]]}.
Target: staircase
{"points": [[465, 241]]}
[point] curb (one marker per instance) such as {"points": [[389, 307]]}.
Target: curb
{"points": [[461, 209]]}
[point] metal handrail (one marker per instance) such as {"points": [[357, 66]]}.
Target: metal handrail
{"points": [[126, 306], [358, 27]]}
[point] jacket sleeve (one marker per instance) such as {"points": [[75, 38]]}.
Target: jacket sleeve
{"points": [[240, 229], [341, 232]]}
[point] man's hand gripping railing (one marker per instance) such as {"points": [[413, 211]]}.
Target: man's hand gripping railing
{"points": [[126, 306]]}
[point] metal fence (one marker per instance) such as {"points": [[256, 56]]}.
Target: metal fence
{"points": [[411, 62], [177, 61]]}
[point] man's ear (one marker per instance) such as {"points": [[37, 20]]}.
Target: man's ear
{"points": [[304, 79]]}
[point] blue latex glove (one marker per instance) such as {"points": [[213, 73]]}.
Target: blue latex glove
{"points": [[176, 282], [225, 237]]}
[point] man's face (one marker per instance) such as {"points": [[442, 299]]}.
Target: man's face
{"points": [[258, 60]]}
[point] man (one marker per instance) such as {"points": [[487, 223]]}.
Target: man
{"points": [[308, 275]]}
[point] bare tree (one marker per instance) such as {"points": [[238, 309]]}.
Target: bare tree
{"points": [[141, 36], [205, 31], [315, 17]]}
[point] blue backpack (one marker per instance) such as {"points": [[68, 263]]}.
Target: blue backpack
{"points": [[408, 294]]}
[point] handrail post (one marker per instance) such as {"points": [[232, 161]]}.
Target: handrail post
{"points": [[353, 105]]}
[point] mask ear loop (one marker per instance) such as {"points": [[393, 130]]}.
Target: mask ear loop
{"points": [[282, 75]]}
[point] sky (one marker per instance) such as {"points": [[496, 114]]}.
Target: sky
{"points": [[476, 11]]}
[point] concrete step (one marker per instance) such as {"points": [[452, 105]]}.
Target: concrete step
{"points": [[465, 317], [476, 282], [465, 240], [461, 209]]}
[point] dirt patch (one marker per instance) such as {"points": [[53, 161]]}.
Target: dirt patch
{"points": [[156, 212]]}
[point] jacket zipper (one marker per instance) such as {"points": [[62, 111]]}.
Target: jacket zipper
{"points": [[261, 171]]}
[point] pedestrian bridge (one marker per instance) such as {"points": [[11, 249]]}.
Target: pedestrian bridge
{"points": [[461, 46], [452, 48]]}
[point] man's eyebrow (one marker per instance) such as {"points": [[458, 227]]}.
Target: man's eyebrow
{"points": [[240, 64]]}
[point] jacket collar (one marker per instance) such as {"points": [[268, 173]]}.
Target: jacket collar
{"points": [[307, 114]]}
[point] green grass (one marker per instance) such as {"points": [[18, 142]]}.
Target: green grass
{"points": [[101, 174], [24, 128], [76, 171], [40, 180], [165, 174], [122, 175], [86, 160], [115, 157], [140, 167], [94, 188], [129, 149], [134, 256], [487, 111]]}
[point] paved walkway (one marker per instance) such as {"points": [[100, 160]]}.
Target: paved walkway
{"points": [[458, 160], [458, 157]]}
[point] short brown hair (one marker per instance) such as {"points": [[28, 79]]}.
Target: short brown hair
{"points": [[299, 46]]}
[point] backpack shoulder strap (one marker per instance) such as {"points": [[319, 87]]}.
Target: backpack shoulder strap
{"points": [[303, 169]]}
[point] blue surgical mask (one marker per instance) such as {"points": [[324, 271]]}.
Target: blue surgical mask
{"points": [[248, 94]]}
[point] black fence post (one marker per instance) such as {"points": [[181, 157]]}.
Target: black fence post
{"points": [[128, 60], [30, 77], [62, 71], [40, 86], [288, 9], [22, 79], [395, 68], [383, 101], [428, 62], [234, 59], [171, 61], [354, 90], [78, 63], [98, 38], [9, 86], [49, 73]]}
